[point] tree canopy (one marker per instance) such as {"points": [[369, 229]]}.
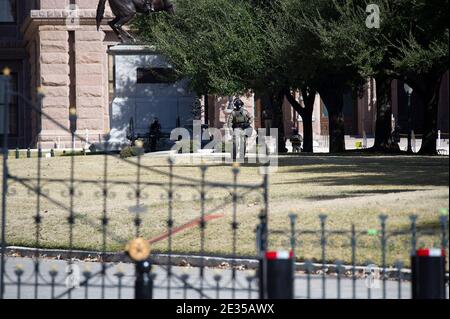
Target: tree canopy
{"points": [[227, 47], [219, 45]]}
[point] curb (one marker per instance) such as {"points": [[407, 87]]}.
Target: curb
{"points": [[194, 261]]}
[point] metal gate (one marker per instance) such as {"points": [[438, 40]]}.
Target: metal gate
{"points": [[154, 214], [66, 193]]}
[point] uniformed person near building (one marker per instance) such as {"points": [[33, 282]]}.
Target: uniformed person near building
{"points": [[296, 141], [154, 134], [240, 121]]}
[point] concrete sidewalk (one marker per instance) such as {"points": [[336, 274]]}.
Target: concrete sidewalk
{"points": [[94, 291]]}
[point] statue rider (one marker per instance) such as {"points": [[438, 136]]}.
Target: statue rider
{"points": [[149, 6], [240, 121]]}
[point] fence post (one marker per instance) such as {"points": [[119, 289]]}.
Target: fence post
{"points": [[261, 248], [4, 112], [293, 219], [143, 288], [413, 219], [323, 244], [428, 274], [139, 251], [279, 275], [383, 219], [262, 236]]}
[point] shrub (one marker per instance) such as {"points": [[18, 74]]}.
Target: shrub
{"points": [[131, 151]]}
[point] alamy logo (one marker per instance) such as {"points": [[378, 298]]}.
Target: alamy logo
{"points": [[73, 276], [372, 276], [373, 20], [245, 145]]}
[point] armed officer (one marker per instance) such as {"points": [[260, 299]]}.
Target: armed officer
{"points": [[154, 134], [240, 121], [296, 140]]}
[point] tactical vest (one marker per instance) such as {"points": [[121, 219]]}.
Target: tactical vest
{"points": [[296, 139], [240, 118]]}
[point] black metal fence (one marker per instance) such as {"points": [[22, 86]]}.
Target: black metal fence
{"points": [[89, 203], [64, 194], [386, 275]]}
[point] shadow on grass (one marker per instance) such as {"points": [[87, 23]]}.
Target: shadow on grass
{"points": [[360, 193], [427, 227], [405, 170]]}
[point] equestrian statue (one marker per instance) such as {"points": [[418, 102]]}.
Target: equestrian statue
{"points": [[125, 10]]}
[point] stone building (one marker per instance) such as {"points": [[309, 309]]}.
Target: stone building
{"points": [[48, 44]]}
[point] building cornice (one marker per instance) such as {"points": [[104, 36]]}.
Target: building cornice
{"points": [[124, 49], [60, 17]]}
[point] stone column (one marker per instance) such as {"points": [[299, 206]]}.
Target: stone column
{"points": [[70, 63], [91, 81], [54, 80]]}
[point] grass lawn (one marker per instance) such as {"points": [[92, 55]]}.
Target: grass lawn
{"points": [[349, 189]]}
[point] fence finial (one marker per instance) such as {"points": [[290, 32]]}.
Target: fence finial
{"points": [[6, 71]]}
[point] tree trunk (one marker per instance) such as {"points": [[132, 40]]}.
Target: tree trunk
{"points": [[276, 102], [337, 131], [431, 99], [334, 101], [307, 134], [383, 130], [306, 114]]}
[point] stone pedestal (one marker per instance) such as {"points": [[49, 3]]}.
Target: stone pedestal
{"points": [[141, 94]]}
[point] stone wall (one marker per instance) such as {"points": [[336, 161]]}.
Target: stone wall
{"points": [[70, 63], [54, 79]]}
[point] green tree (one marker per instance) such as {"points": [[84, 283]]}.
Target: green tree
{"points": [[327, 63], [226, 47], [421, 57], [411, 45], [223, 47]]}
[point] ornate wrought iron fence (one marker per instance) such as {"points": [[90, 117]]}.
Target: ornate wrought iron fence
{"points": [[44, 278], [64, 194], [386, 276]]}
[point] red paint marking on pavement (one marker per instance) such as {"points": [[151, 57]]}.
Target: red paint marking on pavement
{"points": [[191, 224]]}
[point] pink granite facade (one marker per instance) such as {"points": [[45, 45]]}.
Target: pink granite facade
{"points": [[70, 64]]}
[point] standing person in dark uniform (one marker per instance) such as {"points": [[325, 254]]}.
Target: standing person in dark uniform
{"points": [[240, 120], [155, 133], [296, 140]]}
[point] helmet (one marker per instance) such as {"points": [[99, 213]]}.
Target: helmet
{"points": [[238, 103]]}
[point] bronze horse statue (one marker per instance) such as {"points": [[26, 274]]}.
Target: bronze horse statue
{"points": [[125, 10]]}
